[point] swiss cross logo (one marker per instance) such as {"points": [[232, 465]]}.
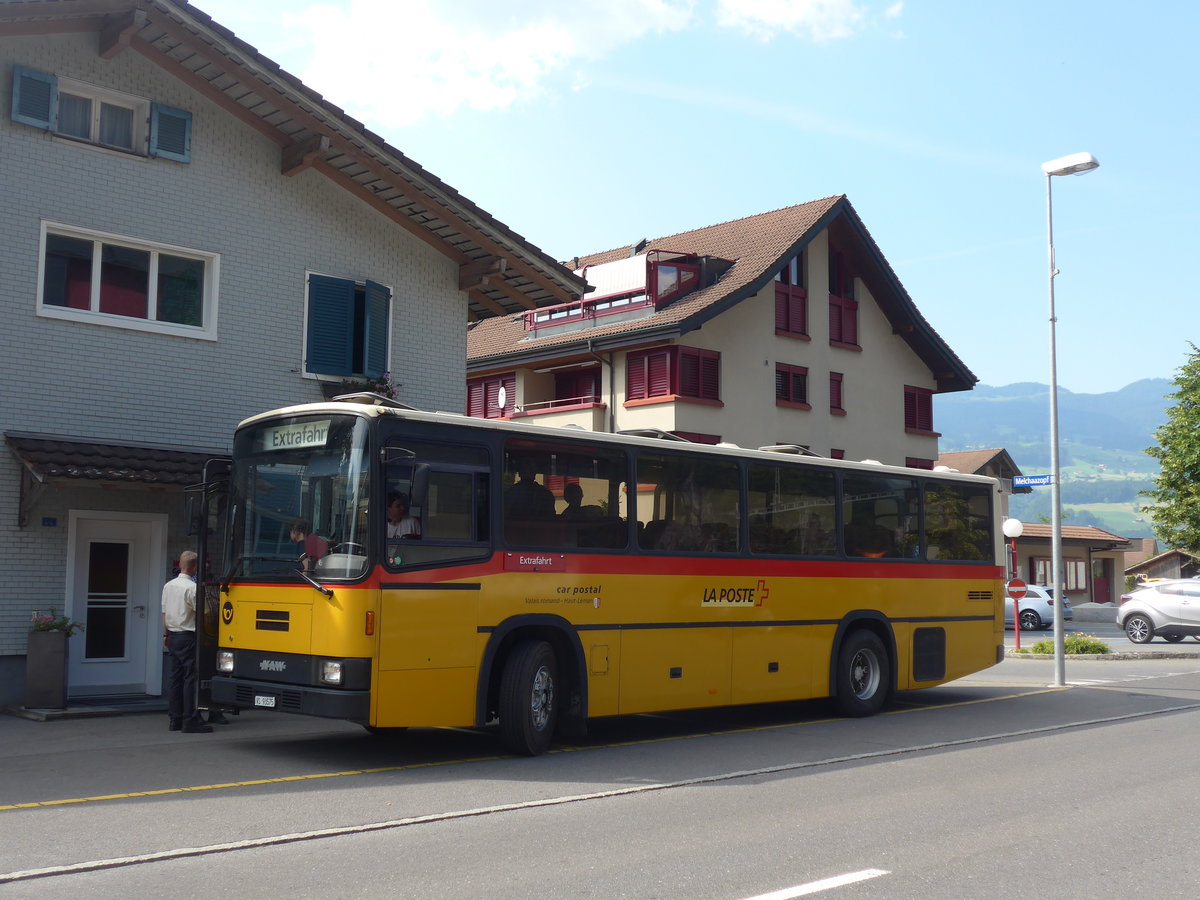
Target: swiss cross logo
{"points": [[762, 592]]}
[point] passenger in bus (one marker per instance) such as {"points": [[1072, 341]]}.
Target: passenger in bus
{"points": [[312, 547], [865, 537], [527, 499], [400, 525]]}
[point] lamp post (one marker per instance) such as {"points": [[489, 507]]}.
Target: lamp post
{"points": [[1075, 164], [1013, 529]]}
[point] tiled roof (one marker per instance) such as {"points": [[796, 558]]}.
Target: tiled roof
{"points": [[756, 245], [977, 461], [52, 457], [1089, 533]]}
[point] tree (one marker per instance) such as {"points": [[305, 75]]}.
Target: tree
{"points": [[1175, 510]]}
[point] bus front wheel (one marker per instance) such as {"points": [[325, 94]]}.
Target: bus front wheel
{"points": [[862, 675], [528, 710]]}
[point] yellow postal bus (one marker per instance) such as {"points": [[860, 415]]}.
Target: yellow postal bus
{"points": [[400, 568]]}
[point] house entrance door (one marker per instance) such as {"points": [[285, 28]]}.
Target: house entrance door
{"points": [[114, 589], [1101, 580]]}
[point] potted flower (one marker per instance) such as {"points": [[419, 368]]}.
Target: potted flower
{"points": [[46, 660], [383, 385]]}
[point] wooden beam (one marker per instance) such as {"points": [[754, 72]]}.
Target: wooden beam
{"points": [[302, 154], [118, 30], [400, 218], [483, 300], [499, 283], [476, 273], [206, 90]]}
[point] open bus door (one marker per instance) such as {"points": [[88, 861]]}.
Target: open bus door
{"points": [[206, 520]]}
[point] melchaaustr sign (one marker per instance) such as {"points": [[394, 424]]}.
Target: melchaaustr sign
{"points": [[1032, 480]]}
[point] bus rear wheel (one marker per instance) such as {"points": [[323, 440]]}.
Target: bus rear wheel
{"points": [[527, 706], [862, 675]]}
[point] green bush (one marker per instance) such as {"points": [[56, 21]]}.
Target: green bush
{"points": [[1073, 643]]}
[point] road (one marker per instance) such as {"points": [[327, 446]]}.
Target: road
{"points": [[993, 786]]}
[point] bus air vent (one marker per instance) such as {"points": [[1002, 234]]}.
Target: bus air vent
{"points": [[979, 595], [271, 620]]}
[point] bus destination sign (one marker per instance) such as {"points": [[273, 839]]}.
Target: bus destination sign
{"points": [[295, 436]]}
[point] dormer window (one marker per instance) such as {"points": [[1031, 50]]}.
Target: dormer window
{"points": [[670, 280]]}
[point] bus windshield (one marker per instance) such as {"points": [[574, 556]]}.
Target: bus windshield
{"points": [[299, 498]]}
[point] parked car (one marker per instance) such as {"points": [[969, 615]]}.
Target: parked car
{"points": [[1037, 608], [1169, 608]]}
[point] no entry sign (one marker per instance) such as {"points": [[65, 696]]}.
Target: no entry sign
{"points": [[1017, 589]]}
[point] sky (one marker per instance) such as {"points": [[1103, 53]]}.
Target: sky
{"points": [[591, 124]]}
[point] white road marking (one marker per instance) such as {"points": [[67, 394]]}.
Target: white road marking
{"points": [[720, 777], [825, 884]]}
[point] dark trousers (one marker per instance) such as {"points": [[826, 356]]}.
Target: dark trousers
{"points": [[181, 676]]}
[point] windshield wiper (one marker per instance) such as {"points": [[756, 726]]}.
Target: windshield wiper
{"points": [[303, 573]]}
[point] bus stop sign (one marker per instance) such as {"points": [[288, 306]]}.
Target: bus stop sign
{"points": [[1017, 588]]}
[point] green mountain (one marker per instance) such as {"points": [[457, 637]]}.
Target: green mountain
{"points": [[1102, 442]]}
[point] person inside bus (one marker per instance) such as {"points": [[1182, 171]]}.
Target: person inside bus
{"points": [[527, 499], [865, 537], [312, 547], [400, 525]]}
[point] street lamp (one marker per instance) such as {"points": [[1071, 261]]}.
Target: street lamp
{"points": [[1075, 164], [1013, 529]]}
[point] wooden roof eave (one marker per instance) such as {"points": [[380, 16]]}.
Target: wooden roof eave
{"points": [[416, 200]]}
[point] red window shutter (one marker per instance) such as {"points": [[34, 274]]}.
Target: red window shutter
{"points": [[835, 390], [782, 382], [835, 320], [910, 408], [635, 377], [658, 375], [798, 312], [850, 322], [782, 308], [689, 373], [475, 399], [710, 377]]}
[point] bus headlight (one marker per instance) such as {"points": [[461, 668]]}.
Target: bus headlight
{"points": [[224, 660], [331, 671]]}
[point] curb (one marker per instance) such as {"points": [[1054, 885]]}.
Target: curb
{"points": [[1149, 654]]}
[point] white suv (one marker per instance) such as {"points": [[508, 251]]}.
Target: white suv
{"points": [[1169, 609]]}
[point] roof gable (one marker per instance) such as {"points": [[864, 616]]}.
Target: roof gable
{"points": [[757, 245], [501, 272]]}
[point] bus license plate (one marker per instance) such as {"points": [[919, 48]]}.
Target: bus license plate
{"points": [[264, 700]]}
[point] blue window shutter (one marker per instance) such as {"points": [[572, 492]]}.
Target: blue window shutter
{"points": [[34, 98], [170, 133], [330, 348], [375, 337]]}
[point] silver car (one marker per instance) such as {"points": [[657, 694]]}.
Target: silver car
{"points": [[1037, 609], [1169, 609]]}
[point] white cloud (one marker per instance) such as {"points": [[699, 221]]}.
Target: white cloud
{"points": [[393, 62], [817, 20]]}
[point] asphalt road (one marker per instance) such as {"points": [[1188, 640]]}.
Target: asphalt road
{"points": [[993, 786]]}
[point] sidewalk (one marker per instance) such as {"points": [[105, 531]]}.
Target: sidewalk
{"points": [[91, 708]]}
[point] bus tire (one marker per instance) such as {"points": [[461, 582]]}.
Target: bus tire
{"points": [[862, 675], [527, 704]]}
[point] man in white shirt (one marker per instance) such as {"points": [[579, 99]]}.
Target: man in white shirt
{"points": [[179, 639]]}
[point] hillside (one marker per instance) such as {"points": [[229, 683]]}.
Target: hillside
{"points": [[1102, 439]]}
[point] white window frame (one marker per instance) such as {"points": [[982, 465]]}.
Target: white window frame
{"points": [[139, 106], [93, 316]]}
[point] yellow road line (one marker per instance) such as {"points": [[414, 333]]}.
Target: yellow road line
{"points": [[316, 776]]}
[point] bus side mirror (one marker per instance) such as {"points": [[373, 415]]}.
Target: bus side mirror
{"points": [[420, 486]]}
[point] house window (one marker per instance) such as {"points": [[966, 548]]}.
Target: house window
{"points": [[918, 409], [578, 386], [1074, 572], [84, 112], [483, 396], [93, 277], [836, 394], [837, 453], [671, 280], [917, 462], [791, 386], [347, 328], [673, 371], [843, 308], [791, 299]]}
